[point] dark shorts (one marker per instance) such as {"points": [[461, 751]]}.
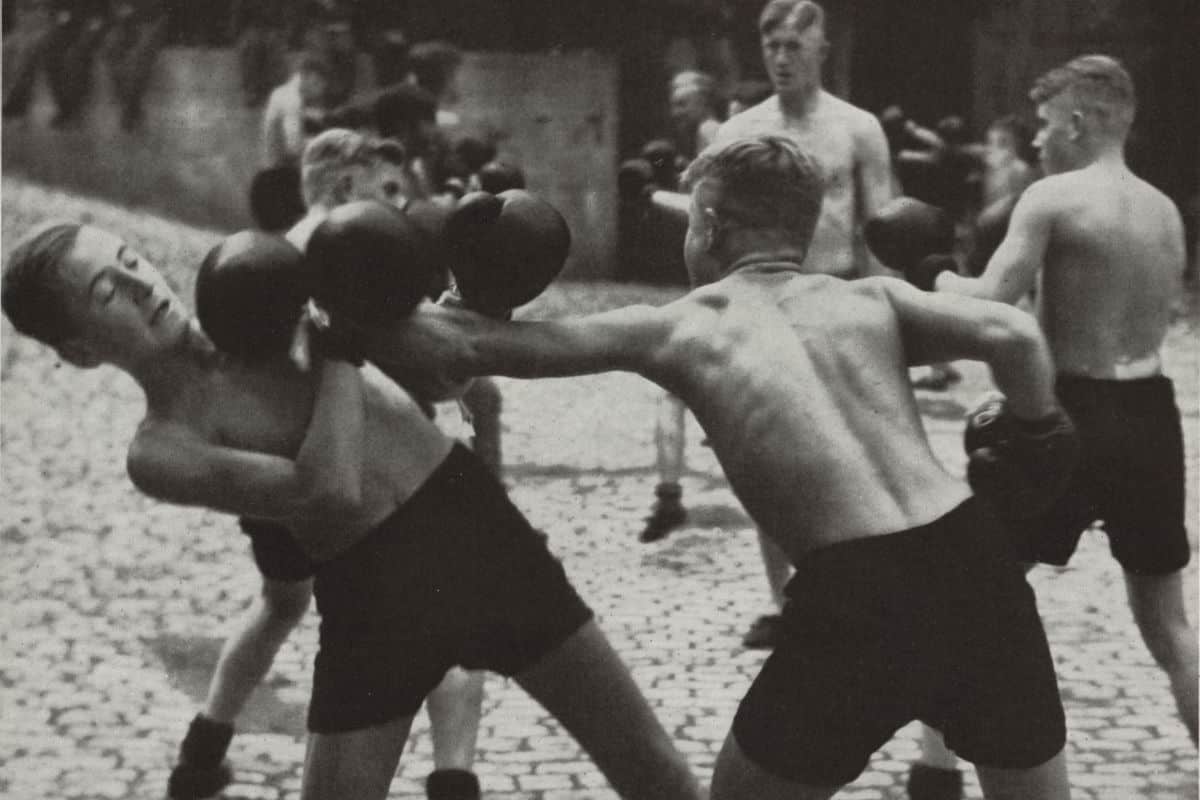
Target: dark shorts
{"points": [[456, 576], [1130, 475], [934, 624], [276, 553]]}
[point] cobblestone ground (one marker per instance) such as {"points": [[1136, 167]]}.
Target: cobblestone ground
{"points": [[115, 606]]}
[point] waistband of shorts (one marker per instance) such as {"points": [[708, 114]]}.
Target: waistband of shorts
{"points": [[459, 462], [955, 526], [1065, 382]]}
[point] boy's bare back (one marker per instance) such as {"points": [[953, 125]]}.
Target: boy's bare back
{"points": [[801, 383]]}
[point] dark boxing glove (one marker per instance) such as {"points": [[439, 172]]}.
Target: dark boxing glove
{"points": [[505, 249], [250, 290], [1019, 466], [372, 262], [905, 231]]}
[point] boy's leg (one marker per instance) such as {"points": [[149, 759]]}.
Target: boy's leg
{"points": [[736, 777], [249, 653], [584, 684], [669, 440], [357, 764], [1045, 782], [934, 775], [764, 631], [1158, 608], [243, 663], [454, 708]]}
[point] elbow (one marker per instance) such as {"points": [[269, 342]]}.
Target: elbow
{"points": [[328, 499], [1011, 334]]}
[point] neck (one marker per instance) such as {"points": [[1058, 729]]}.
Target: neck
{"points": [[166, 376], [784, 258], [1109, 155], [799, 102]]}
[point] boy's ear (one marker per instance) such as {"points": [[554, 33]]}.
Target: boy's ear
{"points": [[1076, 125], [77, 353], [714, 231], [342, 189]]}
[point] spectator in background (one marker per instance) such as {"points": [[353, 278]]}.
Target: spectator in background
{"points": [[283, 131], [64, 44], [328, 31], [434, 66], [25, 45], [138, 32], [1006, 172], [260, 30], [747, 94], [695, 106]]}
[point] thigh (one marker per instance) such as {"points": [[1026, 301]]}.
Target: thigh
{"points": [[1046, 781], [823, 703], [1001, 705], [736, 777], [358, 764]]}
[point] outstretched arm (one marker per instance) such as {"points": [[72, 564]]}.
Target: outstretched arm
{"points": [[1013, 268], [939, 327], [462, 344], [174, 463]]}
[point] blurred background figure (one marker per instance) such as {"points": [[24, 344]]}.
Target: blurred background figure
{"points": [[260, 29], [747, 94], [138, 32], [1006, 172], [61, 37], [284, 133], [695, 112]]}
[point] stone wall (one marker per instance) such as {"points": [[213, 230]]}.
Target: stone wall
{"points": [[555, 115]]}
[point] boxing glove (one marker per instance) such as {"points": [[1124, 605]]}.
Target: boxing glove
{"points": [[1019, 466], [505, 249], [250, 290], [905, 231], [371, 262]]}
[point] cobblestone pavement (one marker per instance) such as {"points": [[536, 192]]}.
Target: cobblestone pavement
{"points": [[115, 606]]}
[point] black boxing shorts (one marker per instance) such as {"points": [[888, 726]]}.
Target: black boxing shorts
{"points": [[1130, 475], [276, 553], [935, 624], [454, 577]]}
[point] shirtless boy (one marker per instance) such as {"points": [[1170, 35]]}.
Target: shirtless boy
{"points": [[1110, 249], [904, 583], [338, 166], [422, 561], [849, 144]]}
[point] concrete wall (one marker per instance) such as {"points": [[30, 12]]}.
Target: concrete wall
{"points": [[556, 115]]}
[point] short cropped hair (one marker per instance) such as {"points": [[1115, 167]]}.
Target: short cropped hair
{"points": [[31, 292], [765, 183], [801, 14], [1099, 84], [326, 159], [433, 64]]}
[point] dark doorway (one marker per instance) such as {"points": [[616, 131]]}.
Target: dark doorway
{"points": [[917, 56]]}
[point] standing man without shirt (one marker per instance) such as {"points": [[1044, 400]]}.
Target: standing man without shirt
{"points": [[338, 166], [1111, 253], [853, 152], [907, 602]]}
